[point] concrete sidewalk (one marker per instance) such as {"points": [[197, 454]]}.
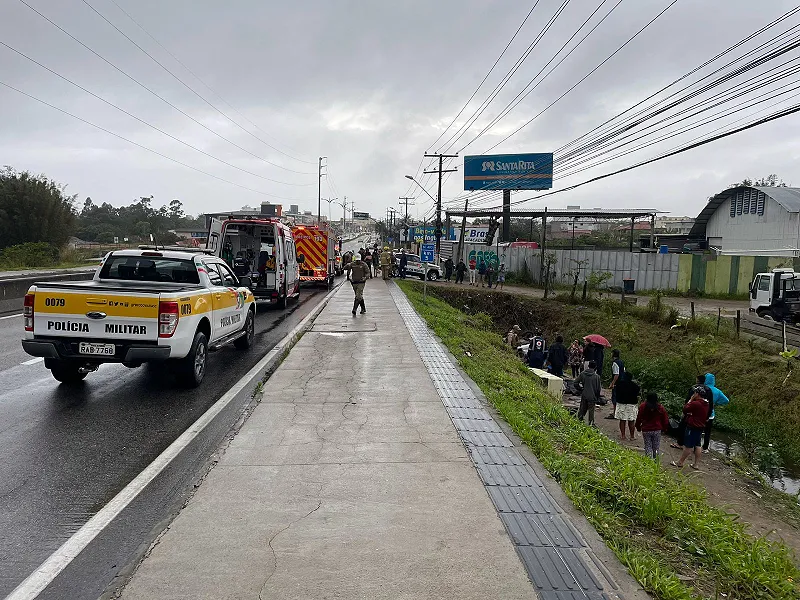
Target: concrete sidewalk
{"points": [[349, 480]]}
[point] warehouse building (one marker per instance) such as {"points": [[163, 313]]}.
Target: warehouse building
{"points": [[745, 220]]}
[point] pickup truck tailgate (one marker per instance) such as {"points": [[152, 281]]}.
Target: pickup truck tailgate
{"points": [[94, 314]]}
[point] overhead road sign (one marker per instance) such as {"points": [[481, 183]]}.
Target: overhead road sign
{"points": [[361, 215], [508, 172]]}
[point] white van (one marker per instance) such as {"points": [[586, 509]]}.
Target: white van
{"points": [[261, 248]]}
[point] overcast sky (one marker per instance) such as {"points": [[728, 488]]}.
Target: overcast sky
{"points": [[370, 84]]}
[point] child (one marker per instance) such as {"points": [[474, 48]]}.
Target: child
{"points": [[651, 421], [696, 412]]}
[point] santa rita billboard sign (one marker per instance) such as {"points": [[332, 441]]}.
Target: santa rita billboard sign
{"points": [[508, 172]]}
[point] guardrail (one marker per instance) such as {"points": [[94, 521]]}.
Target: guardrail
{"points": [[777, 332], [13, 290]]}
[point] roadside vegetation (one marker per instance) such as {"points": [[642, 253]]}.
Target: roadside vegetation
{"points": [[672, 541]]}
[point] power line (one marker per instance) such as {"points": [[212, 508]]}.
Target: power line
{"points": [[463, 108], [188, 87], [143, 86], [140, 120], [143, 147], [208, 87], [582, 79]]}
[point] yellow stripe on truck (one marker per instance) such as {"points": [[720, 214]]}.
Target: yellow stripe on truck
{"points": [[115, 305]]}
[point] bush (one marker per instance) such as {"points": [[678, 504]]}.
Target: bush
{"points": [[29, 254]]}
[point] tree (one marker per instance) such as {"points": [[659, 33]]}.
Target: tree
{"points": [[176, 210], [771, 180], [34, 209]]}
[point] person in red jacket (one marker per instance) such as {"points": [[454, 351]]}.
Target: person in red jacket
{"points": [[651, 420], [696, 412]]}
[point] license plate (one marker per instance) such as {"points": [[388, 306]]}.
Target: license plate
{"points": [[97, 349]]}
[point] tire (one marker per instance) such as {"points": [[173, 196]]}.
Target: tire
{"points": [[433, 275], [67, 372], [192, 368], [282, 299], [766, 315], [244, 342]]}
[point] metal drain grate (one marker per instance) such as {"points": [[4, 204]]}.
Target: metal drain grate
{"points": [[552, 550]]}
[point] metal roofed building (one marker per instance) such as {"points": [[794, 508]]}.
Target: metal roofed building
{"points": [[747, 220]]}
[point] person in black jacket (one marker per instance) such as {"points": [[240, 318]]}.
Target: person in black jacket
{"points": [[557, 357], [627, 408]]}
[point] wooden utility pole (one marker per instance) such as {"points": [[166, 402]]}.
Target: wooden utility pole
{"points": [[440, 170]]}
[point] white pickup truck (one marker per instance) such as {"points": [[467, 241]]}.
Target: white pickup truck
{"points": [[141, 306]]}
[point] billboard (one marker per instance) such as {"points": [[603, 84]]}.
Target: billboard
{"points": [[508, 172], [475, 234], [360, 215], [415, 233]]}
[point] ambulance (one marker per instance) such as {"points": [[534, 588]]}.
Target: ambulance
{"points": [[316, 245], [261, 248]]}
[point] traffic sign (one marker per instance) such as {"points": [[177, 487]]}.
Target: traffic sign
{"points": [[426, 254]]}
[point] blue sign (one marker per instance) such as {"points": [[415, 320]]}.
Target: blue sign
{"points": [[416, 234], [426, 252], [509, 172]]}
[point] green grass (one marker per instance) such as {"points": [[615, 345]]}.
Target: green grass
{"points": [[673, 542]]}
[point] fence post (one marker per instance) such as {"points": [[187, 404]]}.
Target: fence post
{"points": [[783, 334], [585, 285], [691, 304], [738, 322], [719, 316]]}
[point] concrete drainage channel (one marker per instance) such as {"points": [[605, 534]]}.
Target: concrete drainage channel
{"points": [[558, 559]]}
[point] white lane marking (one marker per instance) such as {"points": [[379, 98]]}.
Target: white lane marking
{"points": [[10, 317], [45, 573], [32, 361]]}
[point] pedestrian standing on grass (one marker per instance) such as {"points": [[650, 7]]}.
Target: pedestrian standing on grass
{"points": [[718, 399], [536, 351], [557, 357], [448, 269], [627, 401], [696, 412], [461, 268], [472, 268], [501, 276], [575, 354], [589, 383], [588, 354], [599, 358], [651, 420], [512, 337], [617, 369]]}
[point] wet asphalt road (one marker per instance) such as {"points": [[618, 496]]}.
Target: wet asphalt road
{"points": [[66, 451]]}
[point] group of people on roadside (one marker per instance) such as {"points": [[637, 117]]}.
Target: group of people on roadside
{"points": [[649, 417], [480, 271]]}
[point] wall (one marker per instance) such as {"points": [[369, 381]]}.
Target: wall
{"points": [[680, 272], [776, 229]]}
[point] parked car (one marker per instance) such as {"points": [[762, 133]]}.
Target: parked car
{"points": [[415, 267]]}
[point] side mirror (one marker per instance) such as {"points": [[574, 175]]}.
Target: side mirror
{"points": [[301, 258], [245, 281]]}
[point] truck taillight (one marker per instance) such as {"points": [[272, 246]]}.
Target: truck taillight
{"points": [[27, 311], [167, 319]]}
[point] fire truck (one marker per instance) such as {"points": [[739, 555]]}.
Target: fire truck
{"points": [[317, 246]]}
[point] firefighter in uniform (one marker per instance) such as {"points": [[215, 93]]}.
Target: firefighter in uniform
{"points": [[359, 273], [386, 262]]}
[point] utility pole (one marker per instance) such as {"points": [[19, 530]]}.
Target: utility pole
{"points": [[319, 192], [463, 230], [391, 222], [343, 204], [440, 170], [404, 201], [352, 213]]}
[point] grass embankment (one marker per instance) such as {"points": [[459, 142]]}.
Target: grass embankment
{"points": [[671, 540], [763, 410]]}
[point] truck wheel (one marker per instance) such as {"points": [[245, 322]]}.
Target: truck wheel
{"points": [[767, 315], [193, 366], [67, 371], [244, 342]]}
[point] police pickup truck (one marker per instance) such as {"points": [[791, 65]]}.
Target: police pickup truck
{"points": [[143, 305]]}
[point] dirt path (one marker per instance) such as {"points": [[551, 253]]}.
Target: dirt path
{"points": [[727, 488], [703, 306]]}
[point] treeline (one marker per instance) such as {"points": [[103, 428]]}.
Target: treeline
{"points": [[35, 209]]}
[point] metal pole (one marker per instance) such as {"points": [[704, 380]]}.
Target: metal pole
{"points": [[506, 215], [319, 194], [425, 275], [463, 231], [438, 232], [631, 244], [653, 233]]}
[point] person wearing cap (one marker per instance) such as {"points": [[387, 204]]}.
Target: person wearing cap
{"points": [[386, 262], [512, 337], [359, 273]]}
